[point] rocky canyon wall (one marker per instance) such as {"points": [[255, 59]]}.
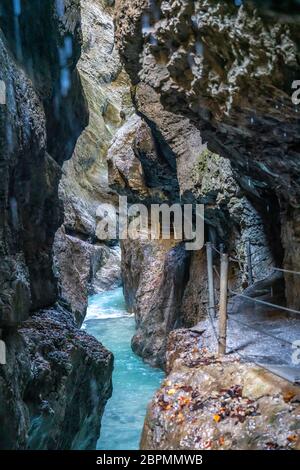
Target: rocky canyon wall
{"points": [[172, 153], [87, 264], [56, 379], [213, 83], [229, 70]]}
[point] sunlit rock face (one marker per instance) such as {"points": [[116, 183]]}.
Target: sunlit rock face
{"points": [[85, 182], [229, 69], [56, 380]]}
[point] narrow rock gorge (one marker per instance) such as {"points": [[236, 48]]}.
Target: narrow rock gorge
{"points": [[87, 264], [57, 379], [174, 102], [213, 83]]}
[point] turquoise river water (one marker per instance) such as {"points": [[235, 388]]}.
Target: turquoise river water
{"points": [[134, 382]]}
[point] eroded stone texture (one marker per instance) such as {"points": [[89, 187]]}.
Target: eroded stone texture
{"points": [[229, 70], [57, 379], [85, 184], [84, 269], [141, 166], [212, 403], [30, 211], [155, 274], [54, 386], [160, 157]]}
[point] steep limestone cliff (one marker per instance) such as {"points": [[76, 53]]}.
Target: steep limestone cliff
{"points": [[155, 274], [41, 403], [84, 183], [54, 386], [213, 81], [165, 155], [229, 69]]}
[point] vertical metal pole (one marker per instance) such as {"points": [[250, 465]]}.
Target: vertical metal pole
{"points": [[249, 262], [223, 305], [210, 275], [2, 350]]}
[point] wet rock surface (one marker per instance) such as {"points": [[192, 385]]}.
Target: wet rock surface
{"points": [[83, 269], [213, 81], [159, 157], [193, 66], [154, 274], [213, 123], [56, 381], [218, 404], [30, 210], [54, 386], [85, 185], [230, 216], [228, 69]]}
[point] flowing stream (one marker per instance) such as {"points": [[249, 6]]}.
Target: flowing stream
{"points": [[134, 382]]}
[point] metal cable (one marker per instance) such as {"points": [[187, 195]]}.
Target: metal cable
{"points": [[263, 302], [287, 271], [247, 325]]}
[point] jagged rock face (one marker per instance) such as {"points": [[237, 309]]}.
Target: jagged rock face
{"points": [[85, 183], [56, 381], [154, 274], [206, 178], [139, 167], [217, 63], [159, 156], [107, 273], [30, 211], [74, 260], [218, 404], [84, 269], [54, 386], [26, 274], [48, 50], [229, 70]]}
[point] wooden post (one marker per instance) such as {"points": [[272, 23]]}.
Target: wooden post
{"points": [[223, 305], [210, 275], [249, 262]]}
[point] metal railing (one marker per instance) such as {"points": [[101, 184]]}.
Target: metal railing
{"points": [[225, 291]]}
